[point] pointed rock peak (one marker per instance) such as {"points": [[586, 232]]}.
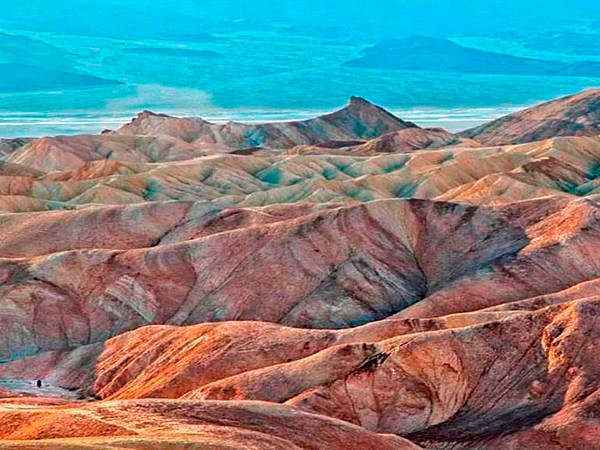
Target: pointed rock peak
{"points": [[354, 100], [368, 119]]}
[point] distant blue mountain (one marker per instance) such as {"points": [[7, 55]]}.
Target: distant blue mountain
{"points": [[28, 65], [16, 77], [24, 50], [442, 55]]}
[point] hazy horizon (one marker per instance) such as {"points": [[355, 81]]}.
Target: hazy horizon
{"points": [[76, 66]]}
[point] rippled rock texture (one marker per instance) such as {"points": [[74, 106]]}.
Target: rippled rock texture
{"points": [[351, 281]]}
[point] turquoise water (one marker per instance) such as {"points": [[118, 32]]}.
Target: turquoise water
{"points": [[254, 76]]}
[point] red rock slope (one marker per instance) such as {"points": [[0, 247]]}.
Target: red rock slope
{"points": [[358, 120], [575, 115], [356, 283]]}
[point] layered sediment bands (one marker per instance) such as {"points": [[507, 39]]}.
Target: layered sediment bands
{"points": [[333, 268], [474, 383], [72, 152], [118, 228], [477, 175], [350, 281], [73, 370], [202, 354], [575, 426], [480, 376], [134, 364], [358, 120], [403, 141], [5, 393], [574, 115], [166, 424]]}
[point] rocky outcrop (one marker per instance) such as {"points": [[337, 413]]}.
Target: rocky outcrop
{"points": [[496, 378], [504, 375], [72, 152], [349, 266], [482, 378], [403, 141], [356, 282], [10, 145], [565, 167], [358, 120], [574, 115]]}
